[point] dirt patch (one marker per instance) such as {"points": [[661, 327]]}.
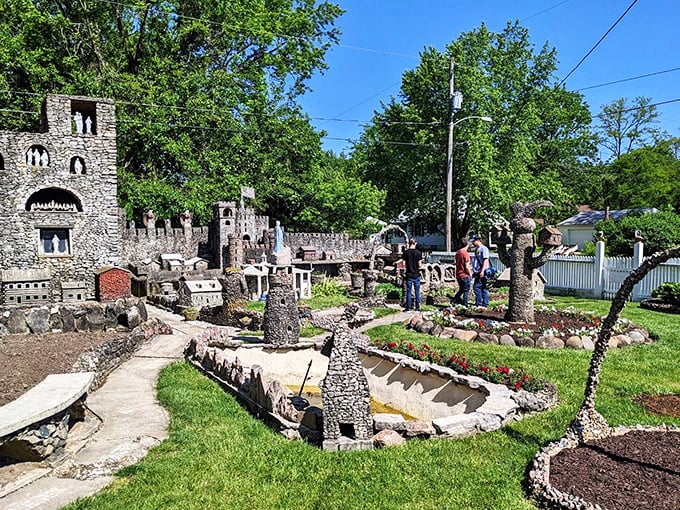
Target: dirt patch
{"points": [[664, 405], [638, 470], [25, 360]]}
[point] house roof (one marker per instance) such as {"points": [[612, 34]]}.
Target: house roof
{"points": [[198, 286], [589, 218], [105, 268]]}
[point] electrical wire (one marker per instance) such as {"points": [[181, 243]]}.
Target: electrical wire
{"points": [[598, 42]]}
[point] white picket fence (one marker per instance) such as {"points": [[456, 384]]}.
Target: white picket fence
{"points": [[601, 277]]}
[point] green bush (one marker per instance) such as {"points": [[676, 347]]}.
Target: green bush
{"points": [[660, 231], [328, 287], [669, 292], [389, 290]]}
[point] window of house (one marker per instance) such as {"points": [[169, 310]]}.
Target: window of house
{"points": [[54, 242]]}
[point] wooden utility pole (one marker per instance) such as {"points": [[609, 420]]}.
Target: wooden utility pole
{"points": [[449, 159]]}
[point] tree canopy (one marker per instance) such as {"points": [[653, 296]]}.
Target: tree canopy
{"points": [[539, 130], [205, 94]]}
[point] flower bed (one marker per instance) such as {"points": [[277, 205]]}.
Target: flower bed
{"points": [[511, 378], [553, 328]]}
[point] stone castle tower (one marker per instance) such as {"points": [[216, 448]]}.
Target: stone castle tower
{"points": [[58, 210]]}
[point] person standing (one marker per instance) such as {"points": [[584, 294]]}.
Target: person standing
{"points": [[479, 265], [413, 260], [463, 273]]}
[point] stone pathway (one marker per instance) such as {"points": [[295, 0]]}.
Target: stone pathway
{"points": [[132, 423]]}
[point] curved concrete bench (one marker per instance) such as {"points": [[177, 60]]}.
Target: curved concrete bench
{"points": [[36, 409]]}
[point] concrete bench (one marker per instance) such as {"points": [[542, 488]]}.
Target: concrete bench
{"points": [[35, 424]]}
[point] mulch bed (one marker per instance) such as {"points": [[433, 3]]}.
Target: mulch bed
{"points": [[25, 360], [638, 470]]}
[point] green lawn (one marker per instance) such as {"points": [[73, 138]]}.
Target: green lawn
{"points": [[219, 457]]}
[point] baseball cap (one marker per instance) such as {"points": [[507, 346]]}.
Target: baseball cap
{"points": [[474, 237]]}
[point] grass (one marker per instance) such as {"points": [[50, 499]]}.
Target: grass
{"points": [[219, 457]]}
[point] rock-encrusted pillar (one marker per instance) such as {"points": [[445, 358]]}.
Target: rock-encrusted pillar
{"points": [[347, 420], [281, 321], [370, 281]]}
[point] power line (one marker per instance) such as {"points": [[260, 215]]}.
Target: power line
{"points": [[598, 42], [629, 79]]}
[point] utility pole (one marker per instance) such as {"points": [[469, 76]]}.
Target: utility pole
{"points": [[449, 159]]}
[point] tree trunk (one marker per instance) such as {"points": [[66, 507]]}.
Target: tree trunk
{"points": [[588, 423], [521, 299]]}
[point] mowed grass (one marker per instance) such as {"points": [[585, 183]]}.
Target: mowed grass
{"points": [[220, 457]]}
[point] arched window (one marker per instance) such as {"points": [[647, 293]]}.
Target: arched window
{"points": [[2, 163], [37, 155], [54, 199], [228, 212], [77, 166]]}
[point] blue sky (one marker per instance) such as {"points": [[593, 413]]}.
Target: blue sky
{"points": [[383, 38]]}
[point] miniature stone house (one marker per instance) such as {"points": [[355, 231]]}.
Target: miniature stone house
{"points": [[307, 253], [113, 283], [25, 287], [73, 292], [58, 210], [200, 293]]}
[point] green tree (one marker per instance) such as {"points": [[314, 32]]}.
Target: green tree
{"points": [[205, 91], [623, 126], [539, 130], [660, 231], [647, 177]]}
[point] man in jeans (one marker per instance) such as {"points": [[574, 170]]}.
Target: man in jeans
{"points": [[413, 259], [480, 263], [463, 273]]}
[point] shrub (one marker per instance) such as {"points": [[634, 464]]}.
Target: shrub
{"points": [[660, 231], [328, 287], [669, 292], [389, 290]]}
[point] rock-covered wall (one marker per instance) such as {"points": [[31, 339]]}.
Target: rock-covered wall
{"points": [[340, 244], [64, 181]]}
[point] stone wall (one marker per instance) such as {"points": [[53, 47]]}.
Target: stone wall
{"points": [[141, 243], [340, 244], [90, 316], [52, 194]]}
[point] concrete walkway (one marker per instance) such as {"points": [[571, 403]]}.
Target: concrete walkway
{"points": [[132, 423]]}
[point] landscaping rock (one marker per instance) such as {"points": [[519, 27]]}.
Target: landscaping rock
{"points": [[487, 338], [637, 338], [38, 320], [466, 335], [574, 342], [383, 421], [507, 340], [588, 343], [549, 342], [419, 428], [387, 437], [614, 342], [16, 322], [525, 341], [457, 425]]}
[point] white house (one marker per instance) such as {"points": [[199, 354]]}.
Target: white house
{"points": [[200, 293], [580, 228]]}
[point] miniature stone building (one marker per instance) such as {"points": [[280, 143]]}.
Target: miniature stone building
{"points": [[347, 421], [58, 210], [281, 321], [200, 293], [112, 283], [73, 292], [25, 287]]}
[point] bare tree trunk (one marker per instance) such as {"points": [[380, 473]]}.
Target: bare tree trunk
{"points": [[522, 262], [588, 423]]}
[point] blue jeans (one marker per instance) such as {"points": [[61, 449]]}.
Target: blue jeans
{"points": [[412, 284], [461, 297], [481, 292]]}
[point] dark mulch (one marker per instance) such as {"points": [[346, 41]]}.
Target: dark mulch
{"points": [[638, 470], [25, 360], [542, 321]]}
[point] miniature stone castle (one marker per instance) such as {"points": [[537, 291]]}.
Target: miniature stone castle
{"points": [[60, 222]]}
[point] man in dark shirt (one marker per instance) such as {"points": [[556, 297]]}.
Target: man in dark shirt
{"points": [[413, 259]]}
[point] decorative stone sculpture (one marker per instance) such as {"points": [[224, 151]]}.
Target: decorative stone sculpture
{"points": [[347, 421], [278, 237], [36, 157], [44, 158], [78, 119], [78, 166], [281, 323], [88, 125], [281, 255], [149, 219], [185, 219]]}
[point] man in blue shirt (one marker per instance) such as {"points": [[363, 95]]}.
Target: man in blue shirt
{"points": [[413, 259], [480, 263]]}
